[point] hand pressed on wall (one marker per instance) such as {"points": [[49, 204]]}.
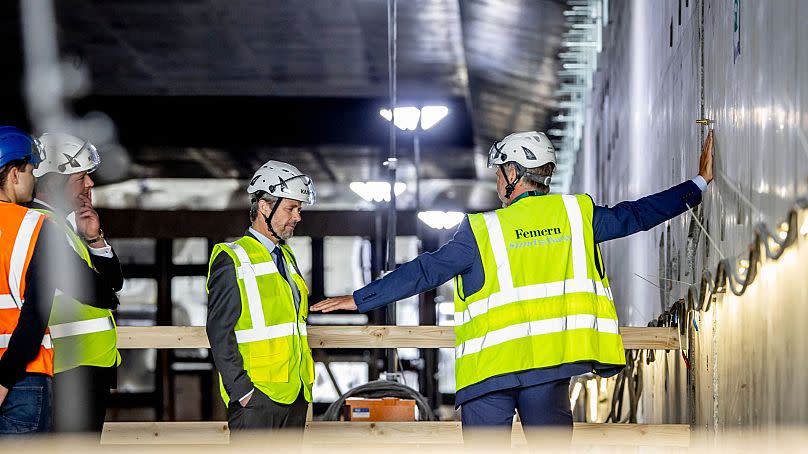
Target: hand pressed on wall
{"points": [[706, 158]]}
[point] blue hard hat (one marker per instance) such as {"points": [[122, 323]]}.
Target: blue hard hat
{"points": [[16, 145]]}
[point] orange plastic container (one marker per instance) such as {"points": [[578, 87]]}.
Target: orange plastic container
{"points": [[385, 409]]}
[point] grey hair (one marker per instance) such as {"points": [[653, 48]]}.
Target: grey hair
{"points": [[255, 201], [535, 177]]}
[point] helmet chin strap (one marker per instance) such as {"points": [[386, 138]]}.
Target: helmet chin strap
{"points": [[509, 185], [268, 220]]}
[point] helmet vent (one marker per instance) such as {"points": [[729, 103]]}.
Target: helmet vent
{"points": [[529, 154]]}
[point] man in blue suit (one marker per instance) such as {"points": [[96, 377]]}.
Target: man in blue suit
{"points": [[525, 162]]}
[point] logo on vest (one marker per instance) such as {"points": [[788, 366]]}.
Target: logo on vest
{"points": [[536, 233], [538, 237]]}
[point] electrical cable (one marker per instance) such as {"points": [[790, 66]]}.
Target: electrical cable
{"points": [[735, 273], [628, 382], [376, 390]]}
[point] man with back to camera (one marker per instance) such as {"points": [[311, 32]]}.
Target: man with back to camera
{"points": [[257, 309], [84, 337], [30, 247], [533, 305]]}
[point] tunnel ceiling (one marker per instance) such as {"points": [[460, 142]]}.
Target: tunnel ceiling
{"points": [[209, 89]]}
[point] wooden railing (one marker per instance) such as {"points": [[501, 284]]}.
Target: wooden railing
{"points": [[353, 336], [387, 433]]}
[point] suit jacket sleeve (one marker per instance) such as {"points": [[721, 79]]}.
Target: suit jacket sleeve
{"points": [[110, 270], [627, 218], [423, 273], [224, 310]]}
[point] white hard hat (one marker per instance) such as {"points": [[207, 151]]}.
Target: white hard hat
{"points": [[529, 149], [66, 155], [282, 180]]}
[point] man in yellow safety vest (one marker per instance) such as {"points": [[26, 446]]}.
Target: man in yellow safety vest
{"points": [[533, 306], [84, 337], [257, 308]]}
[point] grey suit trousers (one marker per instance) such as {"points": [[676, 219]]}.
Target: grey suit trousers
{"points": [[262, 412]]}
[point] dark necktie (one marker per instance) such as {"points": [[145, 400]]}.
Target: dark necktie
{"points": [[277, 257]]}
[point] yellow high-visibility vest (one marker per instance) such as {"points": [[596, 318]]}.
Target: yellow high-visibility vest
{"points": [[82, 335], [544, 301], [271, 332]]}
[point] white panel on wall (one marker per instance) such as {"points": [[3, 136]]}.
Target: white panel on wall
{"points": [[749, 73]]}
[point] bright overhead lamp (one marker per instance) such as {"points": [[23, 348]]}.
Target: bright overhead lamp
{"points": [[432, 115], [441, 219], [376, 191], [406, 117]]}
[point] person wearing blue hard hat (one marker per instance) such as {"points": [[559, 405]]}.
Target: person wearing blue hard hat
{"points": [[20, 154], [28, 286]]}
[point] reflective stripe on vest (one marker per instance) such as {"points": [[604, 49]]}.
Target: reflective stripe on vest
{"points": [[47, 341], [269, 332], [8, 302], [536, 328], [19, 254], [247, 272], [530, 292], [96, 325]]}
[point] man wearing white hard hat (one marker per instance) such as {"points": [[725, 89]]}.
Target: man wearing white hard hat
{"points": [[84, 337], [533, 305], [258, 306]]}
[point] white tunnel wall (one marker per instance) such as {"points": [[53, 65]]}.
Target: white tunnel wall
{"points": [[641, 137]]}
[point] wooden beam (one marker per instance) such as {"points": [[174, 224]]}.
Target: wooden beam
{"points": [[135, 337], [131, 337], [381, 336], [649, 338], [385, 433], [155, 433]]}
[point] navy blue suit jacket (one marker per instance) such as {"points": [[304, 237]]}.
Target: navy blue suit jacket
{"points": [[460, 256]]}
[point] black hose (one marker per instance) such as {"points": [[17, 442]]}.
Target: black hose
{"points": [[376, 390]]}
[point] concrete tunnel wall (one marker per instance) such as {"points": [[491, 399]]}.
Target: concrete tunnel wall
{"points": [[657, 75]]}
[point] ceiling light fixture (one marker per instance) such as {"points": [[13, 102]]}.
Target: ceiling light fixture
{"points": [[376, 191]]}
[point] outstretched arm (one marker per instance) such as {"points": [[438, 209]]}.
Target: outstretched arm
{"points": [[627, 218], [423, 273]]}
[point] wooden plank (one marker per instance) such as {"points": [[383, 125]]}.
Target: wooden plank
{"points": [[386, 433], [631, 434], [333, 432], [155, 433], [648, 338], [381, 336], [133, 337]]}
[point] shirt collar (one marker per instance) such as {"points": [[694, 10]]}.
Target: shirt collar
{"points": [[262, 239], [45, 204], [526, 194], [70, 218]]}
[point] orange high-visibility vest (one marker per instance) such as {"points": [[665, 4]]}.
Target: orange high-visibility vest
{"points": [[19, 231]]}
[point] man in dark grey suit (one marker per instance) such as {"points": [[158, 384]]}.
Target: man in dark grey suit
{"points": [[257, 308]]}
